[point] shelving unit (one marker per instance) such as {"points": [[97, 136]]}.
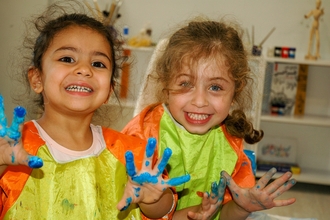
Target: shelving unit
{"points": [[312, 130], [140, 57]]}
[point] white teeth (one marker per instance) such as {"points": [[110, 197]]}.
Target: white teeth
{"points": [[198, 116], [75, 88]]}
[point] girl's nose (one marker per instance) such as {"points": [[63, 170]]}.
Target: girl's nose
{"points": [[199, 98], [84, 70]]}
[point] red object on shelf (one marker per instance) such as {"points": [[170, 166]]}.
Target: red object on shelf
{"points": [[285, 52]]}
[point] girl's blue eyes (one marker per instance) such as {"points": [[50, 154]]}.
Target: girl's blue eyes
{"points": [[212, 87], [215, 88], [71, 60], [185, 84]]}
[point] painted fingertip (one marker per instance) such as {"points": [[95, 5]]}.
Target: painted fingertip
{"points": [[293, 181], [223, 181], [223, 173], [35, 162], [130, 167], [129, 156], [273, 170], [167, 153], [166, 156], [128, 203], [150, 149], [19, 111], [178, 180]]}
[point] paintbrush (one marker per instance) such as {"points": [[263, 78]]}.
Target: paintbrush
{"points": [[263, 41]]}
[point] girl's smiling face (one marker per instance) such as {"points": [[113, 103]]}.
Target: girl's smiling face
{"points": [[76, 71], [200, 98]]}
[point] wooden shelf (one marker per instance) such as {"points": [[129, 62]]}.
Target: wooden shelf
{"points": [[302, 120], [298, 61], [146, 49], [307, 175]]}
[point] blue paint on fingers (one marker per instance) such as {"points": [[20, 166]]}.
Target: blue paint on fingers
{"points": [[18, 118], [166, 156], [128, 203], [215, 188], [35, 162], [130, 167], [178, 180], [150, 149], [3, 119]]}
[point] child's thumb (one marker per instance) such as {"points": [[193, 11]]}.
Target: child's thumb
{"points": [[29, 160]]}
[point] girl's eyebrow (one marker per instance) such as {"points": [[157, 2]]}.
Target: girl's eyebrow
{"points": [[219, 78], [97, 53]]}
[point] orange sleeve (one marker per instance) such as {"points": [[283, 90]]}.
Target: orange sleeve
{"points": [[31, 142], [243, 173]]}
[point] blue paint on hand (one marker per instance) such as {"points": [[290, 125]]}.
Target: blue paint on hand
{"points": [[18, 118], [166, 156], [215, 189], [130, 166], [150, 149], [128, 202], [35, 162], [145, 178], [12, 157], [3, 119], [137, 190], [178, 180]]}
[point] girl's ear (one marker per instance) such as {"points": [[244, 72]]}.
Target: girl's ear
{"points": [[35, 80]]}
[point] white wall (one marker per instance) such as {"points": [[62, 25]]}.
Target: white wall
{"points": [[12, 13], [292, 29], [286, 16]]}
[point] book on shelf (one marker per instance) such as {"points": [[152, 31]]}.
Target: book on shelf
{"points": [[280, 166], [299, 108], [278, 152], [285, 89]]}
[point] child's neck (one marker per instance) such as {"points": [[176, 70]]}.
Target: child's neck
{"points": [[70, 133]]}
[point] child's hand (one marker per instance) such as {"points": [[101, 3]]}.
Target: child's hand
{"points": [[211, 202], [147, 185], [262, 196], [11, 149]]}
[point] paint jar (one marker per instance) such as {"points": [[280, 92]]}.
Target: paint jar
{"points": [[285, 52], [256, 50], [292, 52], [278, 52]]}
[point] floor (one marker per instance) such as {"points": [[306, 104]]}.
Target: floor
{"points": [[312, 201]]}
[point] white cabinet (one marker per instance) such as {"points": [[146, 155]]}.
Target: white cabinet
{"points": [[312, 130]]}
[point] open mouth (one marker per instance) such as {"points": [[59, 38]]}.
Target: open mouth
{"points": [[75, 88]]}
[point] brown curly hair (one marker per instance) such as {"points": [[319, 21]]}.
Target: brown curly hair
{"points": [[202, 39]]}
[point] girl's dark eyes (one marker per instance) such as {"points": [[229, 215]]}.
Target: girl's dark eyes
{"points": [[71, 60], [98, 64], [67, 59]]}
